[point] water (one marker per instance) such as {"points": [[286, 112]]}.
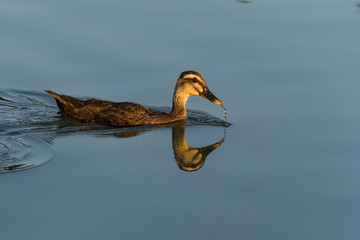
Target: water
{"points": [[286, 168]]}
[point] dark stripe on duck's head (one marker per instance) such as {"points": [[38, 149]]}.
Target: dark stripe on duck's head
{"points": [[183, 74]]}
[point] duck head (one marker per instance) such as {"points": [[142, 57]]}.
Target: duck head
{"points": [[192, 83]]}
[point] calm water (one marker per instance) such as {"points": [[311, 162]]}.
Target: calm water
{"points": [[287, 168]]}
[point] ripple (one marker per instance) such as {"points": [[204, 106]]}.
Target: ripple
{"points": [[22, 108], [20, 151], [23, 143]]}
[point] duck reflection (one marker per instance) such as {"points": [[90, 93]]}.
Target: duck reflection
{"points": [[190, 158]]}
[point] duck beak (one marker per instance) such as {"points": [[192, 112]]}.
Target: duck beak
{"points": [[210, 96]]}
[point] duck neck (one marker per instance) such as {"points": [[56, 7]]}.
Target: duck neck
{"points": [[178, 111]]}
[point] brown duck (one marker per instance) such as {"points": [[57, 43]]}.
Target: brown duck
{"points": [[133, 114]]}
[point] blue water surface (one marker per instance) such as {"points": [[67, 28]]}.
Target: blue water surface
{"points": [[287, 168]]}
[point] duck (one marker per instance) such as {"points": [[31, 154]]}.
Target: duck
{"points": [[127, 114]]}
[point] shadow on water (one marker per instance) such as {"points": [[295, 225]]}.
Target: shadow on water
{"points": [[29, 122]]}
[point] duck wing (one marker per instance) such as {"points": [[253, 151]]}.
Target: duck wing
{"points": [[125, 114], [104, 112]]}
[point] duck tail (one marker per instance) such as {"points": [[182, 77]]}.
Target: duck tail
{"points": [[63, 105]]}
